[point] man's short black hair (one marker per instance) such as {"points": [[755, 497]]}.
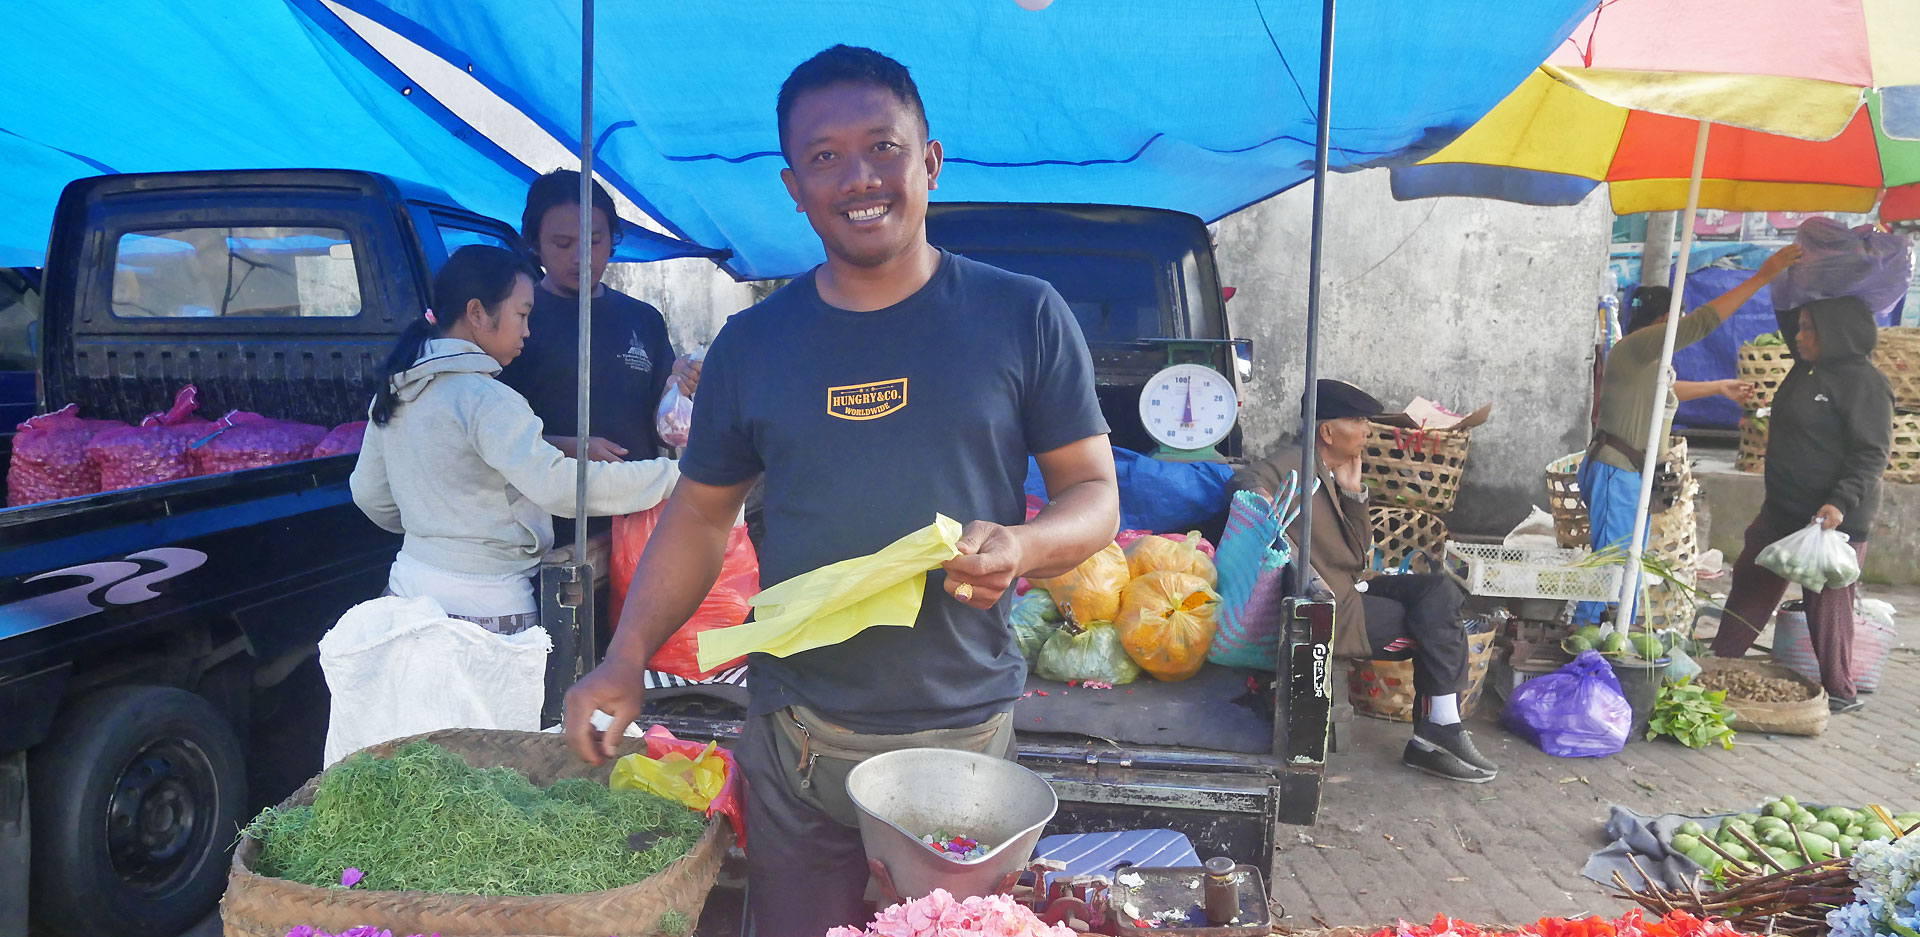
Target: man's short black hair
{"points": [[562, 187], [1647, 305], [845, 64]]}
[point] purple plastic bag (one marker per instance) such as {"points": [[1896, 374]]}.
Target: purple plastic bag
{"points": [[1842, 261], [1577, 711]]}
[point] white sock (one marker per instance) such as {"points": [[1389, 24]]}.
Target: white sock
{"points": [[1443, 710]]}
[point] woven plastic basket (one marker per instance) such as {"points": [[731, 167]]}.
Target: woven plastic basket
{"points": [[1897, 355], [1383, 689], [1764, 367], [1415, 468], [1804, 717], [258, 906], [1515, 572], [1753, 444], [1398, 532], [1903, 460]]}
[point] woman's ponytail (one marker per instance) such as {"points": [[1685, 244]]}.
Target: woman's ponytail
{"points": [[405, 352]]}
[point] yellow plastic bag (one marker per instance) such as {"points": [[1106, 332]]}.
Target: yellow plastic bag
{"points": [[1154, 553], [1091, 589], [691, 781], [834, 603], [1166, 623]]}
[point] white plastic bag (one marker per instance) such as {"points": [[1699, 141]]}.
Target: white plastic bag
{"points": [[674, 419], [398, 667], [1815, 557], [1534, 533]]}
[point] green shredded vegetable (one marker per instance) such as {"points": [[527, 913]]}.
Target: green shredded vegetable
{"points": [[425, 821]]}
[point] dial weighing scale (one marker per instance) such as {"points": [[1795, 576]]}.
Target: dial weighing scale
{"points": [[1189, 408]]}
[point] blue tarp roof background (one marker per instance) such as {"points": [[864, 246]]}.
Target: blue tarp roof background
{"points": [[1203, 107], [153, 85]]}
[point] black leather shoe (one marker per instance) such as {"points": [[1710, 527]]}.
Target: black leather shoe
{"points": [[1422, 755], [1456, 741]]}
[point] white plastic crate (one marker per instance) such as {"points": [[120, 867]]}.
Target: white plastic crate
{"points": [[1522, 573]]}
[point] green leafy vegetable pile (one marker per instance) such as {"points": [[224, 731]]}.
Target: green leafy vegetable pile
{"points": [[1691, 714], [425, 821]]}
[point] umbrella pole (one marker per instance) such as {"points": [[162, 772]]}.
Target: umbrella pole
{"points": [[1656, 430], [1309, 476]]}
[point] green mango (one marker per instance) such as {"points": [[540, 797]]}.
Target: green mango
{"points": [[1791, 803], [1825, 828], [1737, 851], [1843, 850], [1782, 839], [1748, 818], [1875, 831], [1854, 829], [1692, 828], [1769, 823], [1819, 847], [1803, 818], [1838, 816], [1575, 644], [1779, 809], [1589, 634], [1701, 856], [1684, 843], [1615, 643], [1789, 860]]}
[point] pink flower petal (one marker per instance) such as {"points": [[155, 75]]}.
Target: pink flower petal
{"points": [[351, 877]]}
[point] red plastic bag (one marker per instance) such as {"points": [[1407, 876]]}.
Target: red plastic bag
{"points": [[724, 606], [242, 440], [343, 440], [153, 452], [50, 457], [731, 801]]}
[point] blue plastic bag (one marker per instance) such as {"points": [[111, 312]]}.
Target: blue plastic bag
{"points": [[1159, 496], [1577, 711]]}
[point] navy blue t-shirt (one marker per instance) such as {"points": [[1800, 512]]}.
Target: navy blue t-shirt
{"points": [[867, 424]]}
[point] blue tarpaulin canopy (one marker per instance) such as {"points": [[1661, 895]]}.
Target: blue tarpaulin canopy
{"points": [[152, 85], [1203, 107]]}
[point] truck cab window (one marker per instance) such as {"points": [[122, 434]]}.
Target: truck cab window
{"points": [[19, 320], [260, 271], [456, 237], [1116, 298]]}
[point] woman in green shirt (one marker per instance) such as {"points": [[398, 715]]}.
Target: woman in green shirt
{"points": [[1610, 476]]}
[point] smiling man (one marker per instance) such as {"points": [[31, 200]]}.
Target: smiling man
{"points": [[890, 384]]}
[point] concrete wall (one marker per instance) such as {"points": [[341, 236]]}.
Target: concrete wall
{"points": [[1463, 301]]}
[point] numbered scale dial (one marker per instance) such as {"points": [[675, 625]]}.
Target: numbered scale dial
{"points": [[1189, 407]]}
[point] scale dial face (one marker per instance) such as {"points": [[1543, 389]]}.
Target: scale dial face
{"points": [[1189, 406]]}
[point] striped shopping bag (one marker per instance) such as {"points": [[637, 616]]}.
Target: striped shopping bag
{"points": [[1252, 560]]}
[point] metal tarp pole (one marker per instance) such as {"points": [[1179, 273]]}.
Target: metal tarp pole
{"points": [[584, 293], [1309, 408], [1663, 384]]}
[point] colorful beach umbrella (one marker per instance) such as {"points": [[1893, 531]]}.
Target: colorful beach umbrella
{"points": [[1743, 105]]}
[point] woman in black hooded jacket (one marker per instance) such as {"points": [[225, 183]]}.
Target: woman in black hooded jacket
{"points": [[1827, 445]]}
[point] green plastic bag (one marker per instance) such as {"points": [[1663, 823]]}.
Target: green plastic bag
{"points": [[1091, 654], [1035, 618]]}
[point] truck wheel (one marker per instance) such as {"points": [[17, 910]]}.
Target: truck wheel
{"points": [[137, 796]]}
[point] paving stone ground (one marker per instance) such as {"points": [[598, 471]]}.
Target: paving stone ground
{"points": [[1394, 844]]}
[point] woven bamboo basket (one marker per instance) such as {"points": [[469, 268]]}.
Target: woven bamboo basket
{"points": [[1571, 526], [1897, 355], [258, 906], [1753, 444], [1903, 460], [1383, 689], [1399, 532], [1764, 368], [1415, 468], [1806, 717]]}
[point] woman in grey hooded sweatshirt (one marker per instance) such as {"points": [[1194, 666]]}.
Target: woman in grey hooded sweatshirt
{"points": [[455, 460]]}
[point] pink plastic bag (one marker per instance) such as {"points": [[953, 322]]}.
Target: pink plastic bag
{"points": [[242, 440], [343, 440], [1127, 537], [153, 452], [50, 457]]}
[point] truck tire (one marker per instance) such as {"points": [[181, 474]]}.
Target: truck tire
{"points": [[137, 796]]}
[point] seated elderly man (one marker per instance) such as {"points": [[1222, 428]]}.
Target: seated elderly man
{"points": [[1380, 617]]}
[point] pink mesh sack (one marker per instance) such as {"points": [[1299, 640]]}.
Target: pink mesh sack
{"points": [[242, 440], [50, 457], [153, 452], [344, 440]]}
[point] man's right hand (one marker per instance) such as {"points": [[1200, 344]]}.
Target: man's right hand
{"points": [[615, 688], [1737, 391]]}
